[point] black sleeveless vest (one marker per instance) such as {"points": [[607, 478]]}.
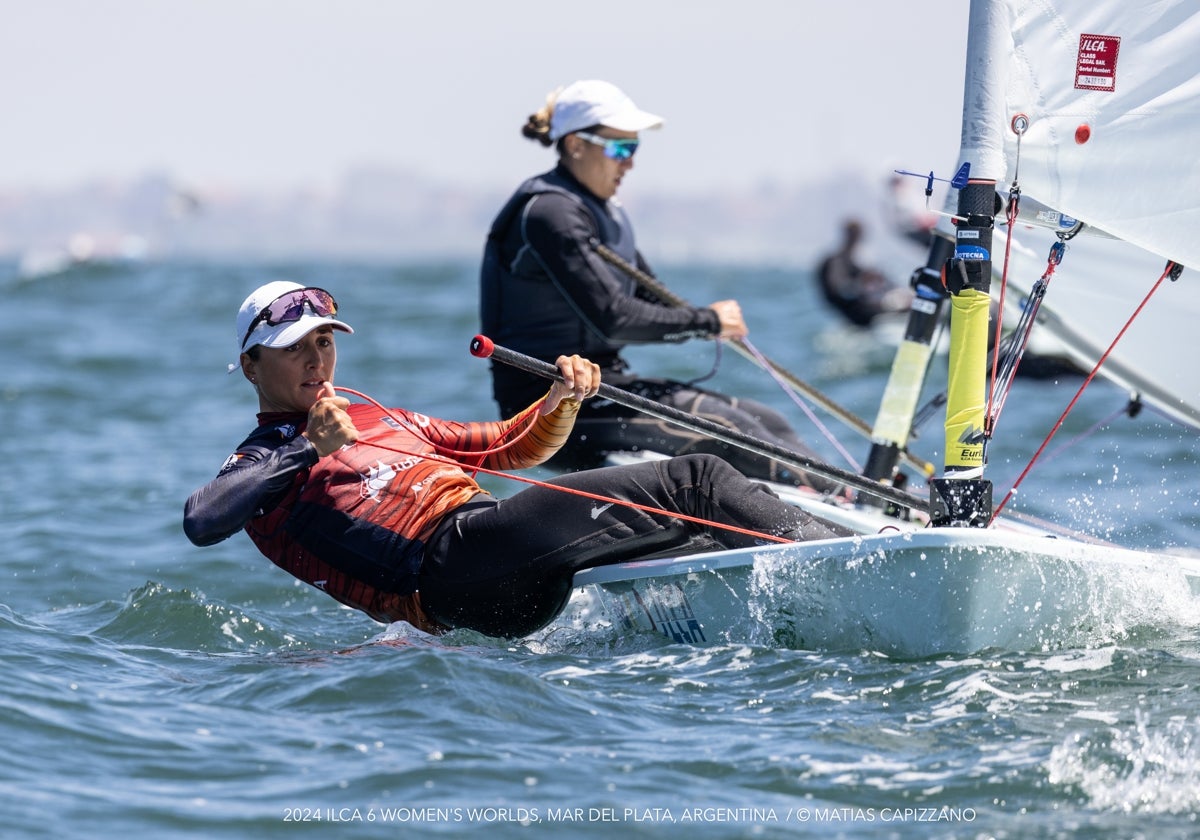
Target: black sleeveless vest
{"points": [[521, 306]]}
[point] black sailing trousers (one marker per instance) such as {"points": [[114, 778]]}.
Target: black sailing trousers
{"points": [[504, 567]]}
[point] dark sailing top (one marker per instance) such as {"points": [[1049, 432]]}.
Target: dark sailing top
{"points": [[544, 291]]}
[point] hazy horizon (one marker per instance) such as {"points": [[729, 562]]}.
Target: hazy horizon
{"points": [[260, 95]]}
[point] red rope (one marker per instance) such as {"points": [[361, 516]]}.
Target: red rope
{"points": [[475, 468], [480, 454], [1087, 381], [1011, 216]]}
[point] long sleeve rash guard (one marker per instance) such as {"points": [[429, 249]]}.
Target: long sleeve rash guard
{"points": [[355, 523]]}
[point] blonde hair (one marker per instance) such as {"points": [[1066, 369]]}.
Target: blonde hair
{"points": [[537, 127]]}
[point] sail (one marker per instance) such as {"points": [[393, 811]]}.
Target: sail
{"points": [[1092, 294], [1110, 95], [1111, 91]]}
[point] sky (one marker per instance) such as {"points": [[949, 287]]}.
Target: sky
{"points": [[265, 94]]}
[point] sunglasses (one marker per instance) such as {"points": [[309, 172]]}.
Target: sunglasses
{"points": [[289, 307], [622, 149]]}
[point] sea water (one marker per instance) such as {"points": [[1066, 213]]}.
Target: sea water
{"points": [[156, 689]]}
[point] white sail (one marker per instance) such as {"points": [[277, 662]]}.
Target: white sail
{"points": [[1110, 93], [1092, 295], [1112, 96]]}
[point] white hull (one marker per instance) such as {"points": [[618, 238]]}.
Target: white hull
{"points": [[911, 594], [1106, 97]]}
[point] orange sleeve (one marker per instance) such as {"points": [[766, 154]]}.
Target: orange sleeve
{"points": [[536, 437], [546, 435]]}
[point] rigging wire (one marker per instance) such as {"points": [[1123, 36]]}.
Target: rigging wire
{"points": [[1019, 125], [1085, 434], [1009, 352], [1014, 201], [1172, 270]]}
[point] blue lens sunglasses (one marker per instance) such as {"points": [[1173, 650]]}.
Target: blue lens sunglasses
{"points": [[615, 149]]}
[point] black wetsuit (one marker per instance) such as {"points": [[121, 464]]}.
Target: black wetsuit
{"points": [[545, 291]]}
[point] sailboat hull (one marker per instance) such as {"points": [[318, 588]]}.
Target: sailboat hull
{"points": [[912, 594], [1102, 132]]}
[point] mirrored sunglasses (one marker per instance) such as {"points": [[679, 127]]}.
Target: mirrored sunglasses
{"points": [[289, 307], [616, 149]]}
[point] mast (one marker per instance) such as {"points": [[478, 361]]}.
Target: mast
{"points": [[962, 496], [959, 265]]}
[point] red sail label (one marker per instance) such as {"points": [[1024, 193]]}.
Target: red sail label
{"points": [[1096, 66]]}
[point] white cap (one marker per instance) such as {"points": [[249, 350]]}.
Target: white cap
{"points": [[279, 335], [583, 104]]}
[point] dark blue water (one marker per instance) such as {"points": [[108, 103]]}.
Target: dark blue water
{"points": [[158, 689]]}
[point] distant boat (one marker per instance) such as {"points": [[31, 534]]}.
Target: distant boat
{"points": [[82, 249], [847, 349]]}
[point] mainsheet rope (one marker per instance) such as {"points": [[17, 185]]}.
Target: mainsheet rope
{"points": [[449, 457]]}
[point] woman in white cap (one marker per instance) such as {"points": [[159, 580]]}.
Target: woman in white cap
{"points": [[378, 508], [546, 290]]}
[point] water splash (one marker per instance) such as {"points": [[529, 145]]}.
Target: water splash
{"points": [[1148, 767], [969, 600]]}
